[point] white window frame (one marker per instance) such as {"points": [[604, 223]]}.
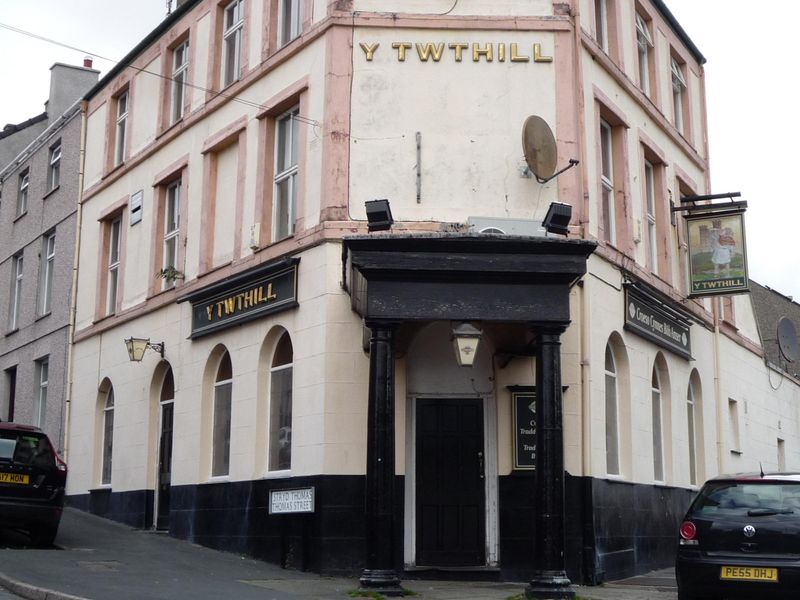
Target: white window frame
{"points": [[23, 191], [735, 440], [233, 25], [286, 156], [107, 444], [601, 23], [612, 414], [644, 43], [657, 400], [291, 20], [172, 210], [691, 418], [607, 181], [54, 167], [273, 465], [650, 211], [17, 269], [42, 369], [114, 251], [219, 384], [120, 126], [47, 268], [678, 90], [180, 69]]}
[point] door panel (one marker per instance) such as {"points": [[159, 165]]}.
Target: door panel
{"points": [[450, 490], [164, 466]]}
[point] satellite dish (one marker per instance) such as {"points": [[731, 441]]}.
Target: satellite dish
{"points": [[787, 339], [539, 146]]}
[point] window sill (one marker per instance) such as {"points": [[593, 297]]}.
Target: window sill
{"points": [[43, 316], [736, 452], [19, 216], [217, 479], [286, 474], [51, 192], [12, 331]]}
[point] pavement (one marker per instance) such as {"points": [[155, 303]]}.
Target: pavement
{"points": [[98, 559]]}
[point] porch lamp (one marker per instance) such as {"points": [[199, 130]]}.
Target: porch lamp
{"points": [[465, 338], [137, 346], [379, 215]]}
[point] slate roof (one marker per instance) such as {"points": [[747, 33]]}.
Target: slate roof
{"points": [[769, 307]]}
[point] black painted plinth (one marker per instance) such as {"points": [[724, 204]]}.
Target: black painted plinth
{"points": [[382, 581], [549, 585]]}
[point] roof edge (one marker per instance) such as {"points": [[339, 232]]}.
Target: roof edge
{"points": [[684, 37]]}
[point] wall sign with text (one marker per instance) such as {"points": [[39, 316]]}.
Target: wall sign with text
{"points": [[523, 407], [648, 319]]}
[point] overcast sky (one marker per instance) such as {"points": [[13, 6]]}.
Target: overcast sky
{"points": [[751, 84]]}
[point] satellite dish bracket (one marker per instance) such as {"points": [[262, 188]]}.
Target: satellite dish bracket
{"points": [[572, 163]]}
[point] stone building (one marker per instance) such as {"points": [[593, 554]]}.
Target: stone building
{"points": [[299, 398]]}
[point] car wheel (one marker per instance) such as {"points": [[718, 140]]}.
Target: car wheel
{"points": [[43, 536]]}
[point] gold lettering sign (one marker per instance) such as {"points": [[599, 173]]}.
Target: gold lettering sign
{"points": [[435, 51], [248, 299]]}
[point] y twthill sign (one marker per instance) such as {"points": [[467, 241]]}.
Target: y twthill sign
{"points": [[717, 254], [249, 296]]}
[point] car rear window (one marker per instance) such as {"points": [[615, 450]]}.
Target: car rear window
{"points": [[745, 498], [26, 448]]}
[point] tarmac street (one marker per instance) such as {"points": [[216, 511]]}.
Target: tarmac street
{"points": [[98, 559]]}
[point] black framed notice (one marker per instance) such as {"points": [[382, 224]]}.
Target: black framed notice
{"points": [[523, 409]]}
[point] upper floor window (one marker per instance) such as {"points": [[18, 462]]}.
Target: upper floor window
{"points": [[54, 167], [650, 208], [120, 128], [644, 42], [172, 209], [678, 96], [114, 246], [291, 17], [285, 192], [22, 192], [607, 182], [232, 42], [601, 23], [15, 301], [46, 269], [180, 68]]}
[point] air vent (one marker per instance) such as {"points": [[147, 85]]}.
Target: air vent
{"points": [[496, 225]]}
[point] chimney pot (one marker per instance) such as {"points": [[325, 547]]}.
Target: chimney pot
{"points": [[87, 62]]}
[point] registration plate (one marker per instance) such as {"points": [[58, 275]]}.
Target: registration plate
{"points": [[13, 478], [749, 573]]}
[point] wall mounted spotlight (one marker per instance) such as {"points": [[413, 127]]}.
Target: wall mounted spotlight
{"points": [[379, 215], [557, 218], [137, 346]]}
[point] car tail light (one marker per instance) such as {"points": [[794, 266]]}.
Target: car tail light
{"points": [[60, 464], [688, 534]]}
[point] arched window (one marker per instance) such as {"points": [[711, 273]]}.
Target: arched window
{"points": [[221, 428], [691, 414], [658, 435], [612, 414], [108, 435], [280, 412]]}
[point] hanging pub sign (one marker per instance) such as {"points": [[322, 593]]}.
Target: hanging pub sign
{"points": [[251, 295], [717, 254], [523, 402]]}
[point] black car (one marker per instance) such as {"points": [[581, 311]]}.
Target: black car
{"points": [[741, 539], [32, 481]]}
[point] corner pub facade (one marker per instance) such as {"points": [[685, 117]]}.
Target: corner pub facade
{"points": [[300, 400]]}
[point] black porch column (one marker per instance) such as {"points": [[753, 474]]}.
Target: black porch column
{"points": [[549, 579], [379, 574]]}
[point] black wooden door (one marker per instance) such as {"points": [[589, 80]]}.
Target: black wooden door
{"points": [[451, 521], [164, 466]]}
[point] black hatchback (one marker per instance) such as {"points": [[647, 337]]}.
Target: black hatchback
{"points": [[32, 481], [741, 539]]}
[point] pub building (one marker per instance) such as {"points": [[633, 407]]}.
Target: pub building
{"points": [[499, 371]]}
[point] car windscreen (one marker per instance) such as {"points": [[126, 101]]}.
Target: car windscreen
{"points": [[745, 498], [26, 448]]}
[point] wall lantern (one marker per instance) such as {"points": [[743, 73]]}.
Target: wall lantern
{"points": [[379, 215], [137, 346], [465, 338], [557, 218]]}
